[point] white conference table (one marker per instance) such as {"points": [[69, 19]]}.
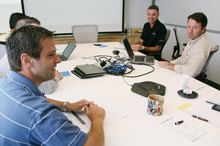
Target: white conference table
{"points": [[138, 128]]}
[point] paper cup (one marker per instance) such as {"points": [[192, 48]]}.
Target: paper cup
{"points": [[183, 81], [155, 105]]}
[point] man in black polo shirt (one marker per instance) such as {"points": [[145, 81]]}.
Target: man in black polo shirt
{"points": [[153, 35]]}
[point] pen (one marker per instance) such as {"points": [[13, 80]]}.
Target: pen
{"points": [[179, 122], [197, 117]]}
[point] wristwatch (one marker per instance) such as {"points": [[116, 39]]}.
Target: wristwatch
{"points": [[142, 48], [64, 106]]}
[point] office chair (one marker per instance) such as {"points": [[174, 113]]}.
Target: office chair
{"points": [[176, 48], [202, 75], [2, 49], [85, 33], [157, 55]]}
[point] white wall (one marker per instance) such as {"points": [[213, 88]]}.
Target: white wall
{"points": [[202, 6]]}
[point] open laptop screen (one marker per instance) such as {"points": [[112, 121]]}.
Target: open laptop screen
{"points": [[128, 48], [68, 50]]}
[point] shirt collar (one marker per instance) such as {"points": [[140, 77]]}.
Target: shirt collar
{"points": [[20, 79], [197, 39]]}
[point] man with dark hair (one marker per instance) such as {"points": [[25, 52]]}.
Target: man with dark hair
{"points": [[47, 87], [32, 120], [14, 17], [27, 21], [153, 35], [197, 49]]}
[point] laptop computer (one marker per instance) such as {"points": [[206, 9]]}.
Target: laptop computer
{"points": [[68, 50], [136, 59], [88, 70]]}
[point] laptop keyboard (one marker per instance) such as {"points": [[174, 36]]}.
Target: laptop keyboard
{"points": [[140, 58]]}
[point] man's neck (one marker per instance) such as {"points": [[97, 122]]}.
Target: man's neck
{"points": [[29, 76]]}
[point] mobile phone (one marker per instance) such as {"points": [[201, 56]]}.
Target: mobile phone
{"points": [[216, 107], [97, 44]]}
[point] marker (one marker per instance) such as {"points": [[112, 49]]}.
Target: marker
{"points": [[200, 118], [179, 122]]}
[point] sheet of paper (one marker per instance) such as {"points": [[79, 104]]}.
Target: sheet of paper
{"points": [[213, 126], [75, 121], [111, 116], [203, 111], [186, 129]]}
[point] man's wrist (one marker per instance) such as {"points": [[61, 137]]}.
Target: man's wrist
{"points": [[142, 48], [64, 106], [168, 65]]}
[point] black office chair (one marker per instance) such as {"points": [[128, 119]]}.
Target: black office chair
{"points": [[176, 48], [202, 75], [158, 55]]}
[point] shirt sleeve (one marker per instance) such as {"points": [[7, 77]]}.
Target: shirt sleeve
{"points": [[49, 87], [54, 128], [195, 64], [160, 39], [4, 66]]}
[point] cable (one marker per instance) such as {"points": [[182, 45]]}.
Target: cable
{"points": [[138, 75], [142, 74]]}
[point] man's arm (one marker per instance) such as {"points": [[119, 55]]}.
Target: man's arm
{"points": [[75, 106], [139, 47], [50, 86], [96, 133]]}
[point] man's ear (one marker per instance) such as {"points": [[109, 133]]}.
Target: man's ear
{"points": [[26, 60]]}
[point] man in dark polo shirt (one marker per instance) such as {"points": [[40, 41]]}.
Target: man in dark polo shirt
{"points": [[153, 35]]}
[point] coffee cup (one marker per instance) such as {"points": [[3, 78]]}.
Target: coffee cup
{"points": [[155, 104]]}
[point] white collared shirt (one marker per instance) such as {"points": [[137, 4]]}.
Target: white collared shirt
{"points": [[194, 56]]}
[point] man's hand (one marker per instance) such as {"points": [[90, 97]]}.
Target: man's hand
{"points": [[59, 76], [166, 64], [94, 112], [136, 47], [163, 64], [76, 106]]}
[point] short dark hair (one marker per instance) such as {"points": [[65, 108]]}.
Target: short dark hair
{"points": [[154, 7], [199, 17], [26, 21], [14, 19], [27, 39]]}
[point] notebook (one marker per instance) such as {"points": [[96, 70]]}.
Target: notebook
{"points": [[136, 59], [88, 71], [68, 50]]}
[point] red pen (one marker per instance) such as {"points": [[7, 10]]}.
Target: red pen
{"points": [[200, 118]]}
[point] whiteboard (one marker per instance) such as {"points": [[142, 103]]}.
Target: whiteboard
{"points": [[61, 15], [177, 11], [7, 7]]}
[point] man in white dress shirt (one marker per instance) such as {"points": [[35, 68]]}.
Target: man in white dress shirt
{"points": [[197, 49]]}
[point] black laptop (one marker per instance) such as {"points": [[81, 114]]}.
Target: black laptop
{"points": [[68, 50], [88, 71], [136, 59]]}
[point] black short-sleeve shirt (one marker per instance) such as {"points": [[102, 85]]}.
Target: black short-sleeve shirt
{"points": [[154, 36]]}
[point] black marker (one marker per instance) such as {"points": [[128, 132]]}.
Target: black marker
{"points": [[179, 122]]}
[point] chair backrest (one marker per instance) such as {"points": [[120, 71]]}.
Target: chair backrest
{"points": [[209, 58], [2, 50], [85, 33], [157, 55], [167, 36], [176, 49], [202, 75]]}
